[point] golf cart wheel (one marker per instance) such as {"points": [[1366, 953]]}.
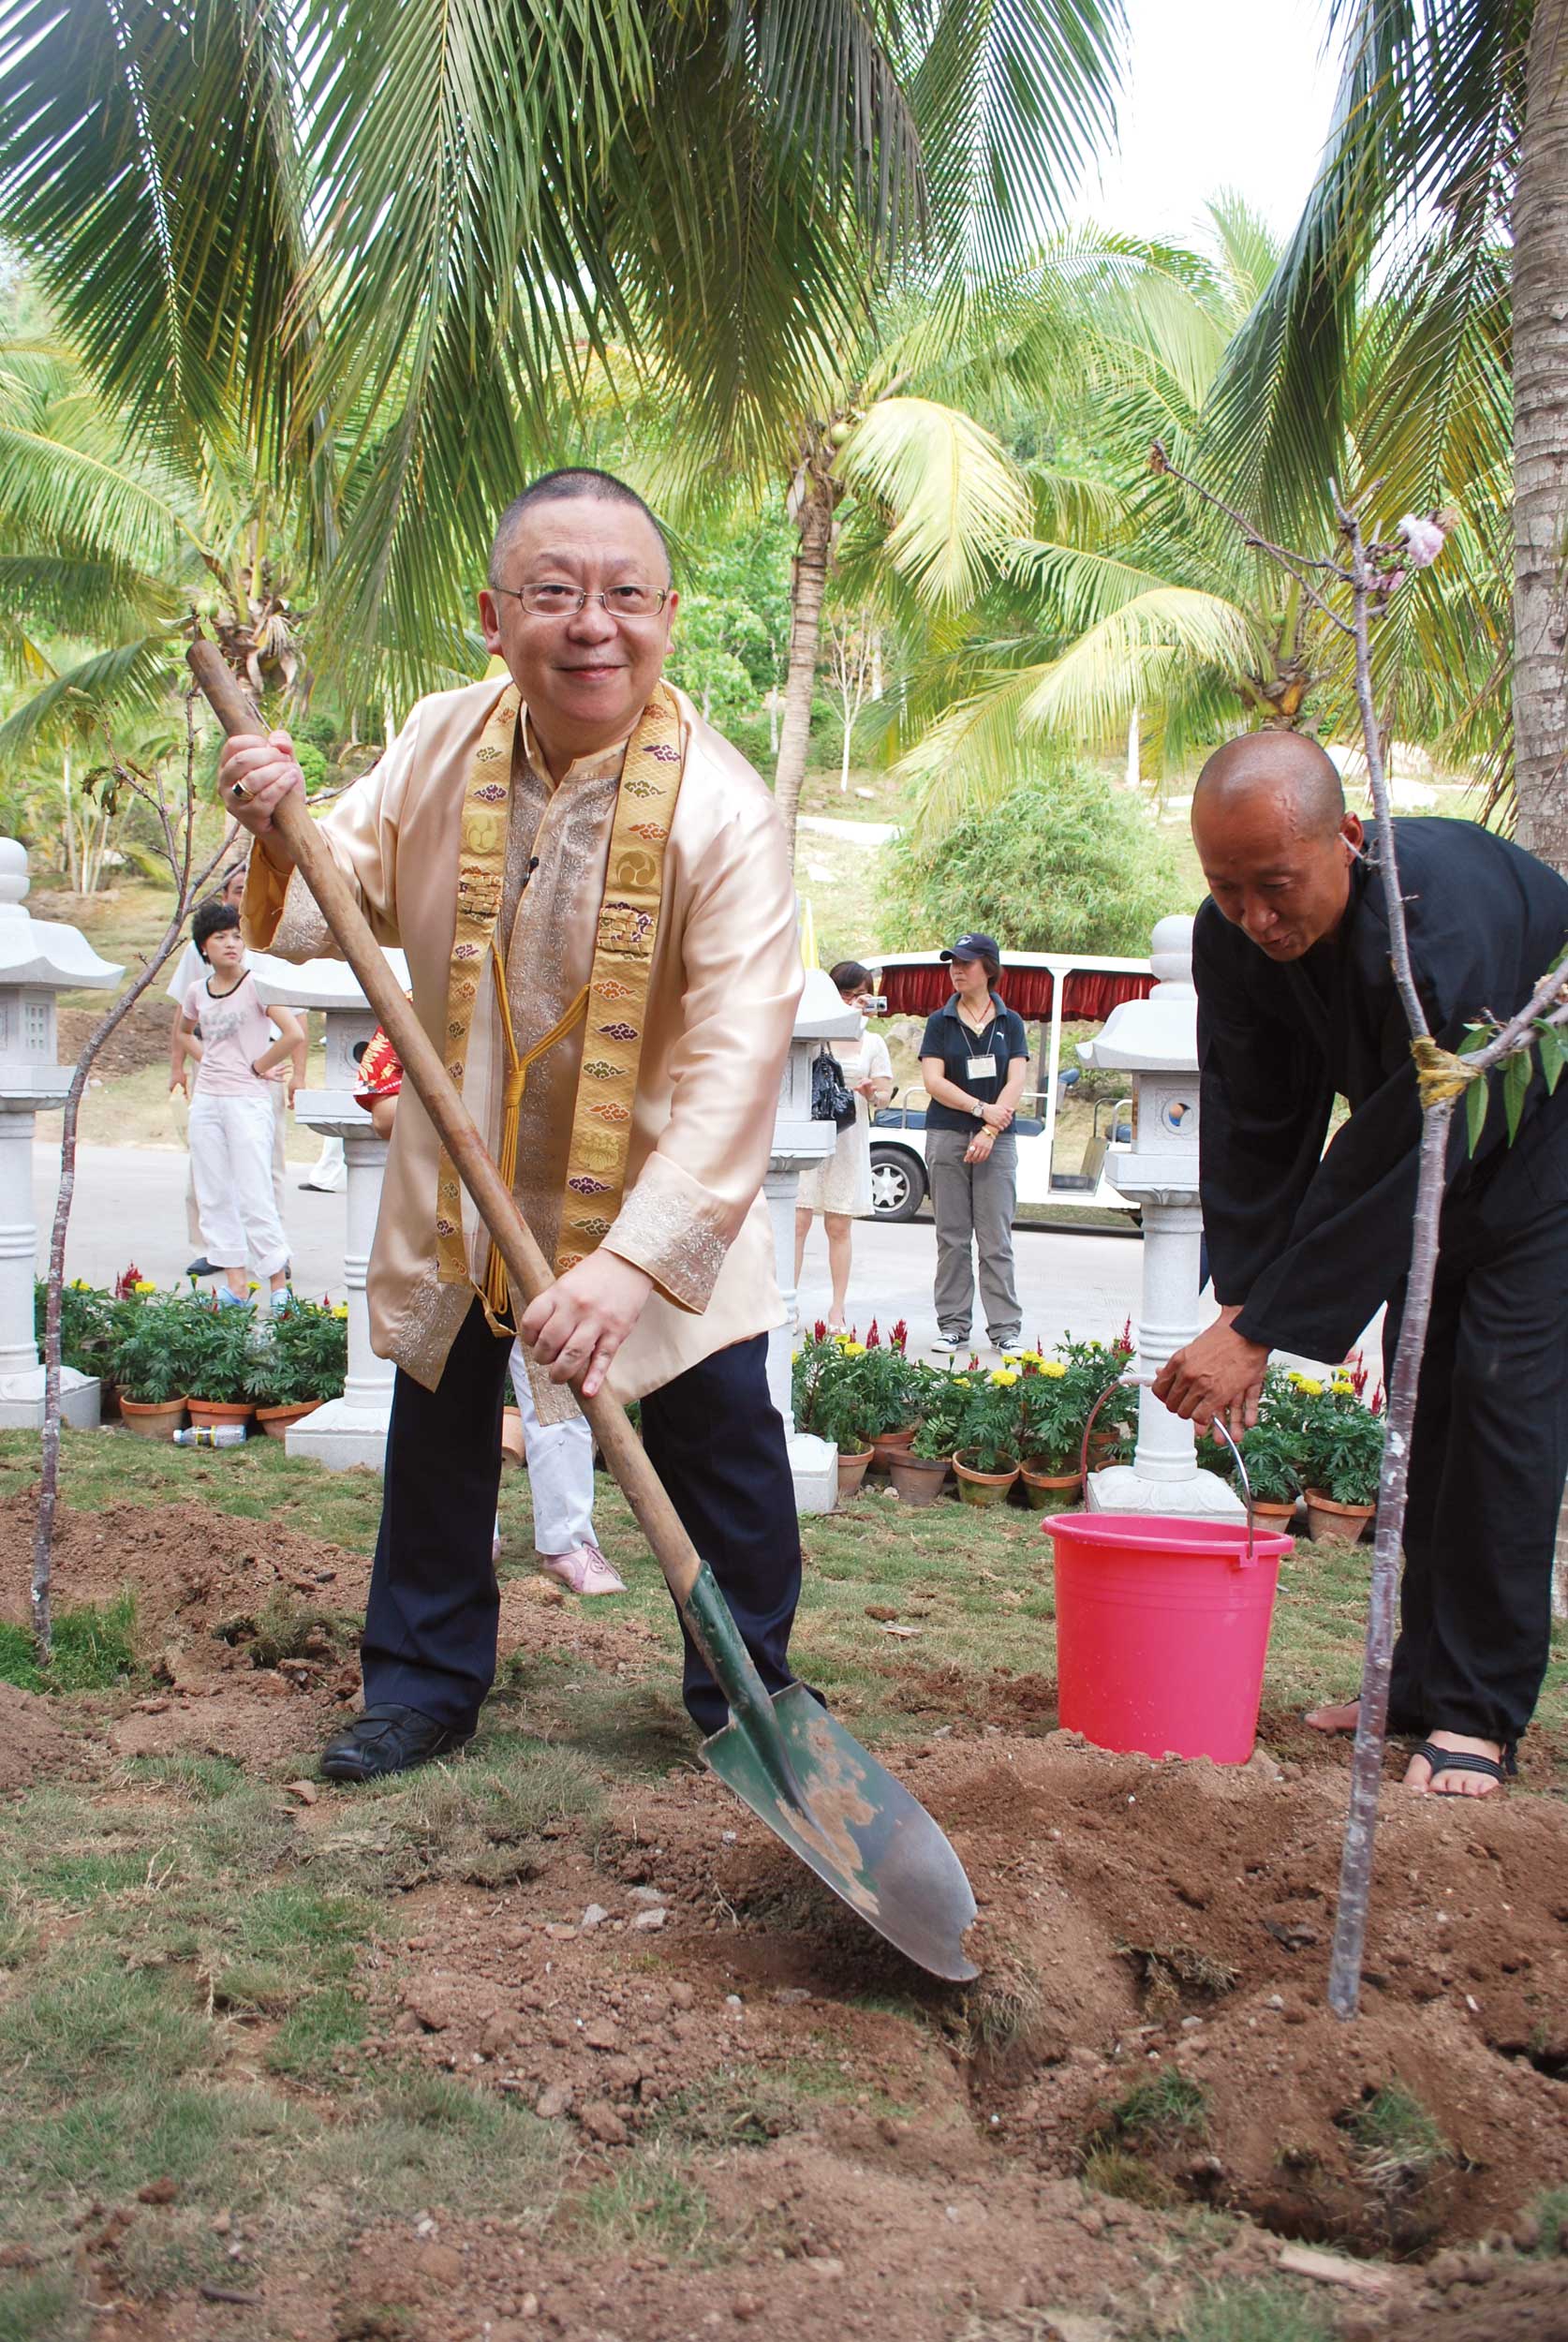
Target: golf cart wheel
{"points": [[899, 1183]]}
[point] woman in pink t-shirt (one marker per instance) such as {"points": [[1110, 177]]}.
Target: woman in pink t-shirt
{"points": [[231, 1115]]}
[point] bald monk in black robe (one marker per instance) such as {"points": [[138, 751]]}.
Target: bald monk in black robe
{"points": [[1296, 1001]]}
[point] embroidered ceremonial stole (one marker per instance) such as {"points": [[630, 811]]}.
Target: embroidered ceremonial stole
{"points": [[614, 998]]}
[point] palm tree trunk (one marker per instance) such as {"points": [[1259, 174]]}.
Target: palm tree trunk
{"points": [[820, 493], [1541, 444]]}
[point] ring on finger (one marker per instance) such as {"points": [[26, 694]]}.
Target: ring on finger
{"points": [[240, 794]]}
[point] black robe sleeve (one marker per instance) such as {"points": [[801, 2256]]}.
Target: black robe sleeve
{"points": [[1265, 1101], [1350, 1236]]}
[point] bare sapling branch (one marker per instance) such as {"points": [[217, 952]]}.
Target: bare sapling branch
{"points": [[177, 829], [1370, 573]]}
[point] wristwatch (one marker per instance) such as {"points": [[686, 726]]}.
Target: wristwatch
{"points": [[977, 1109]]}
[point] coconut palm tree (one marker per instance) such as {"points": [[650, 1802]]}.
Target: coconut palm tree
{"points": [[1438, 219], [383, 235], [1134, 600]]}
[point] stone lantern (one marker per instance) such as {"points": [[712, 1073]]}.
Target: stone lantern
{"points": [[351, 1429], [1156, 1040], [37, 959], [797, 1142]]}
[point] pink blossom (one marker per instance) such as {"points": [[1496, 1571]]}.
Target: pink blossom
{"points": [[1424, 540]]}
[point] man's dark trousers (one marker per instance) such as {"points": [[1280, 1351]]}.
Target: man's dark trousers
{"points": [[1488, 1456], [714, 1437]]}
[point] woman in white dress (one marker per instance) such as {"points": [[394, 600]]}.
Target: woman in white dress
{"points": [[839, 1187]]}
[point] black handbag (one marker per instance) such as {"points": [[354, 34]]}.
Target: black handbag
{"points": [[831, 1100]]}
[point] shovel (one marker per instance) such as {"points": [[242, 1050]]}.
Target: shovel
{"points": [[785, 1757]]}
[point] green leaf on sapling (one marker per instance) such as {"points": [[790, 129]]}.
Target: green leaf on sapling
{"points": [[1477, 1098], [1515, 1082], [1548, 1043]]}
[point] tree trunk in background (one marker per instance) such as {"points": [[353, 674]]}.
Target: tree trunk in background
{"points": [[818, 495], [1541, 444]]}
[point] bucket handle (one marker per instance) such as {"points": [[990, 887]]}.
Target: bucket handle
{"points": [[1145, 1382]]}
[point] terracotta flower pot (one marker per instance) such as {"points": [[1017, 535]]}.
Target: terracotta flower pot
{"points": [[919, 1479], [852, 1471], [983, 1488], [1272, 1515], [220, 1410], [887, 1445], [1324, 1519], [1047, 1492], [274, 1421], [152, 1418]]}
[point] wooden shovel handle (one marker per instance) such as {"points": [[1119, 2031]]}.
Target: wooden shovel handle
{"points": [[526, 1267]]}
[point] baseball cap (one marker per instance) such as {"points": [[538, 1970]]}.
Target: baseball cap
{"points": [[974, 947]]}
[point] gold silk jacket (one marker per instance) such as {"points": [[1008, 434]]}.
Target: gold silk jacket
{"points": [[725, 981]]}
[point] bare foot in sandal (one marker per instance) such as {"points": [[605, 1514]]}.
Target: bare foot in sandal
{"points": [[1475, 1768]]}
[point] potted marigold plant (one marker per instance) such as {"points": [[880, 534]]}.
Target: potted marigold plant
{"points": [[918, 1473], [220, 1362], [987, 1457], [1053, 1406], [302, 1365], [150, 1360], [1342, 1458]]}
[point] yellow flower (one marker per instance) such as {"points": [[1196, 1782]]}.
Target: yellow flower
{"points": [[144, 1284], [1307, 1382], [961, 1381], [1053, 1367], [340, 1309], [1343, 1387], [79, 1284], [854, 1349], [1001, 1378]]}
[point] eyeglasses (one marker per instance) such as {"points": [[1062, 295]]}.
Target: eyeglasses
{"points": [[564, 601]]}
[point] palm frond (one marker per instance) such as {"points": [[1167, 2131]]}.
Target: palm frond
{"points": [[133, 678], [955, 499], [1011, 97], [150, 171]]}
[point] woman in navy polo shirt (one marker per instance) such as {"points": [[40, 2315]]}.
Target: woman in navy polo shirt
{"points": [[973, 1060]]}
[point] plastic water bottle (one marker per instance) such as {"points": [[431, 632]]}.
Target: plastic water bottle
{"points": [[212, 1435]]}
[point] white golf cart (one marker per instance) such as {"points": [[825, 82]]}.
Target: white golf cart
{"points": [[1071, 1124]]}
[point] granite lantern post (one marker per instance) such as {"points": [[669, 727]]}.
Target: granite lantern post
{"points": [[1156, 1040], [39, 958], [351, 1429], [798, 1141]]}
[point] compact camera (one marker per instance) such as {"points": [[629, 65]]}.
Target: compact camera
{"points": [[874, 1004]]}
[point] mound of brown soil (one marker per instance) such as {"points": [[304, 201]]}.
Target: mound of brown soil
{"points": [[33, 1743]]}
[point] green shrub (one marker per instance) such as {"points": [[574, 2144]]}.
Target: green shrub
{"points": [[302, 1356], [219, 1351], [152, 1351], [86, 1325], [1062, 864]]}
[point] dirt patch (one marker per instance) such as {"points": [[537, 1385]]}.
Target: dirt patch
{"points": [[33, 1745], [142, 1041], [794, 2122], [1485, 2298]]}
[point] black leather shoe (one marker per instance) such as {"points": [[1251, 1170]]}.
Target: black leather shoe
{"points": [[388, 1739], [200, 1266]]}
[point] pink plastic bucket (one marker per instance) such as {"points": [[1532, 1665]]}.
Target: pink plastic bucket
{"points": [[1161, 1628]]}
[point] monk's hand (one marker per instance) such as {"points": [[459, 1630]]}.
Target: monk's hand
{"points": [[1220, 1374], [576, 1328], [256, 772]]}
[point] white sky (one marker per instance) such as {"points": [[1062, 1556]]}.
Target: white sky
{"points": [[1218, 93]]}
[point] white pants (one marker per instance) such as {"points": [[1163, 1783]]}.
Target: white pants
{"points": [[280, 1120], [232, 1164], [560, 1469]]}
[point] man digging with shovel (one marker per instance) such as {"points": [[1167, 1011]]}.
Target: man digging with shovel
{"points": [[594, 895]]}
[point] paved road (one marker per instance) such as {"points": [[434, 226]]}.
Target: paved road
{"points": [[130, 1205]]}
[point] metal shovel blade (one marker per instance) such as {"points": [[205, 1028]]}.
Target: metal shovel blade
{"points": [[855, 1825]]}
